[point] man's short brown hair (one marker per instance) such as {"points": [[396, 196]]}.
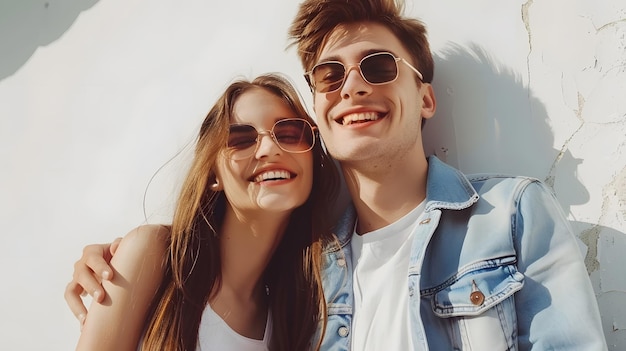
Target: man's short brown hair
{"points": [[316, 19]]}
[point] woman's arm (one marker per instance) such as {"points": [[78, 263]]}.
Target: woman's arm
{"points": [[117, 323]]}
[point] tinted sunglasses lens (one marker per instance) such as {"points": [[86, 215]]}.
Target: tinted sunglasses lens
{"points": [[241, 140], [241, 136], [379, 68], [294, 135], [376, 69], [328, 76]]}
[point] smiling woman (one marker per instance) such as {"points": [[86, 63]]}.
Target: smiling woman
{"points": [[238, 269], [253, 161]]}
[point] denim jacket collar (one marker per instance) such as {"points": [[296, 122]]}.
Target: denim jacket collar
{"points": [[447, 188]]}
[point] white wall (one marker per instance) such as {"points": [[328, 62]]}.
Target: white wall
{"points": [[96, 96]]}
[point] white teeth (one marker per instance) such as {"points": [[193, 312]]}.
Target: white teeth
{"points": [[357, 117], [279, 174]]}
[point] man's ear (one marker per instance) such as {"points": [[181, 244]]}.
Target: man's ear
{"points": [[429, 102]]}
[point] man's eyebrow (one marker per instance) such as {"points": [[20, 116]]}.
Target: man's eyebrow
{"points": [[362, 54]]}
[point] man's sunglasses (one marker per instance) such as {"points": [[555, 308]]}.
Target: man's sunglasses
{"points": [[293, 135], [377, 68]]}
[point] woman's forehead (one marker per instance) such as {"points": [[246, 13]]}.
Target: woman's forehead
{"points": [[259, 106]]}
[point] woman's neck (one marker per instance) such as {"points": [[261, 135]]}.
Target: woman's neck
{"points": [[247, 245]]}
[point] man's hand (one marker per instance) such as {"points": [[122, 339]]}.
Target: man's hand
{"points": [[89, 271]]}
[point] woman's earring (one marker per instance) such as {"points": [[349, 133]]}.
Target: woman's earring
{"points": [[216, 186]]}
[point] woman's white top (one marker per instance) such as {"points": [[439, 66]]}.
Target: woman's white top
{"points": [[216, 335]]}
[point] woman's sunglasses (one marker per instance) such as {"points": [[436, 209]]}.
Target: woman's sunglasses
{"points": [[377, 68], [293, 135]]}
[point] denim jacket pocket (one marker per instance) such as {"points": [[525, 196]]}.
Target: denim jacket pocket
{"points": [[478, 288], [478, 305]]}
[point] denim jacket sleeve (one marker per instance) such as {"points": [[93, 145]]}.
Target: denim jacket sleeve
{"points": [[556, 309]]}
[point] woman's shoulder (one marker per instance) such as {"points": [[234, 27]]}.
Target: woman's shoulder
{"points": [[146, 238], [139, 265]]}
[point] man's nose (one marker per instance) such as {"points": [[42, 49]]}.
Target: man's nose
{"points": [[354, 83]]}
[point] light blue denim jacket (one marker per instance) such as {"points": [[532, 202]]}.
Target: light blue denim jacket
{"points": [[494, 266]]}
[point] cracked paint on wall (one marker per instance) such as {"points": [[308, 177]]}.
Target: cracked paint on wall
{"points": [[584, 50]]}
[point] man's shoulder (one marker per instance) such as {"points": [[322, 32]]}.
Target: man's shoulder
{"points": [[444, 175], [483, 182], [509, 190], [479, 178]]}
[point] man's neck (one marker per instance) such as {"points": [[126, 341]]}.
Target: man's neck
{"points": [[382, 197]]}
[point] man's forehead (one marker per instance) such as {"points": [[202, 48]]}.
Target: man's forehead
{"points": [[362, 37]]}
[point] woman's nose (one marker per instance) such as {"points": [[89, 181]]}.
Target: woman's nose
{"points": [[266, 146]]}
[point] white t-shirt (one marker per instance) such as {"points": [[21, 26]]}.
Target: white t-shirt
{"points": [[381, 262], [216, 335]]}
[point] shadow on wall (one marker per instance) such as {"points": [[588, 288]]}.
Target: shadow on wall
{"points": [[488, 121], [27, 25]]}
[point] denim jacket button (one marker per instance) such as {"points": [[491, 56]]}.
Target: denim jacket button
{"points": [[343, 332], [341, 262], [477, 298]]}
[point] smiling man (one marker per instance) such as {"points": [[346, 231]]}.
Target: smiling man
{"points": [[427, 257]]}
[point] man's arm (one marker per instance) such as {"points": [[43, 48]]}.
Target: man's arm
{"points": [[89, 272], [556, 308]]}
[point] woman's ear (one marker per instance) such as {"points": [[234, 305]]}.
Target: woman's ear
{"points": [[216, 185]]}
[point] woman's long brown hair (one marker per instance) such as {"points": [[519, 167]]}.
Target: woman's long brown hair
{"points": [[193, 268]]}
